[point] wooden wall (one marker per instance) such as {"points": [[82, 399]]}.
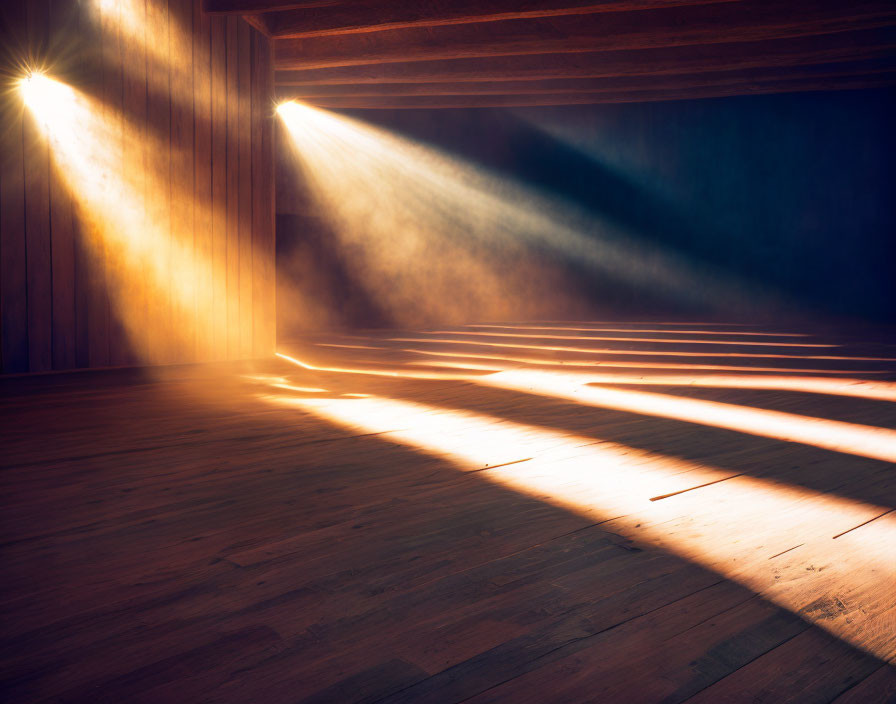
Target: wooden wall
{"points": [[196, 94]]}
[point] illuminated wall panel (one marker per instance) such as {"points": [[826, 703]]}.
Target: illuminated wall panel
{"points": [[140, 229]]}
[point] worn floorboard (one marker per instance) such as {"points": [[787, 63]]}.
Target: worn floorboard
{"points": [[396, 524]]}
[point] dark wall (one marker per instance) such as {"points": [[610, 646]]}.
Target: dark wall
{"points": [[794, 192]]}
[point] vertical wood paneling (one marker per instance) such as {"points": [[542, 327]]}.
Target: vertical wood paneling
{"points": [[202, 179], [159, 123], [63, 15], [258, 204], [268, 308], [182, 255], [136, 152], [63, 267], [84, 24], [119, 283], [185, 104], [97, 257], [13, 282], [219, 184], [244, 101], [233, 167], [37, 214]]}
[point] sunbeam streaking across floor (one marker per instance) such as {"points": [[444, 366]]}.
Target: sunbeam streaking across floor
{"points": [[863, 440], [746, 529], [627, 364], [851, 438]]}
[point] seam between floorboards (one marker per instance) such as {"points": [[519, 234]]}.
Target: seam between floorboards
{"points": [[749, 662], [202, 442], [518, 552], [858, 682], [553, 650], [592, 635]]}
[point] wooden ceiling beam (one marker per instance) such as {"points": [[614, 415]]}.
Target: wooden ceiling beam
{"points": [[614, 96], [597, 85], [258, 22], [751, 20], [377, 15], [840, 46], [254, 7]]}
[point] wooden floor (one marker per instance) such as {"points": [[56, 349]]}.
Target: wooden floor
{"points": [[420, 518]]}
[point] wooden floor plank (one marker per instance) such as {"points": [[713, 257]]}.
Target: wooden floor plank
{"points": [[177, 537], [877, 688], [783, 673]]}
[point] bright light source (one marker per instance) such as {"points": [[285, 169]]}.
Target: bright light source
{"points": [[284, 108], [40, 92]]}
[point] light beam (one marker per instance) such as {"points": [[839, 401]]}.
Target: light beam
{"points": [[431, 238], [826, 558]]}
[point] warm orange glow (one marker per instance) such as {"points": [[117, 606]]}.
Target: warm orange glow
{"points": [[776, 540], [153, 27], [662, 340], [625, 365], [300, 389], [638, 353], [129, 223], [458, 365], [527, 326], [351, 347], [859, 388], [851, 438], [293, 360], [396, 373], [786, 380]]}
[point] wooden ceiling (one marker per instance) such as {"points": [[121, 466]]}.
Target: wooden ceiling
{"points": [[481, 53]]}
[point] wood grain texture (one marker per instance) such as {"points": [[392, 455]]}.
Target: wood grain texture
{"points": [[673, 82], [71, 297], [233, 192], [381, 42], [203, 210], [376, 15], [37, 212], [802, 51], [269, 145], [242, 7], [706, 24], [177, 537], [63, 231], [259, 109], [118, 285], [244, 188], [481, 100], [183, 234], [219, 185], [265, 234], [13, 278]]}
